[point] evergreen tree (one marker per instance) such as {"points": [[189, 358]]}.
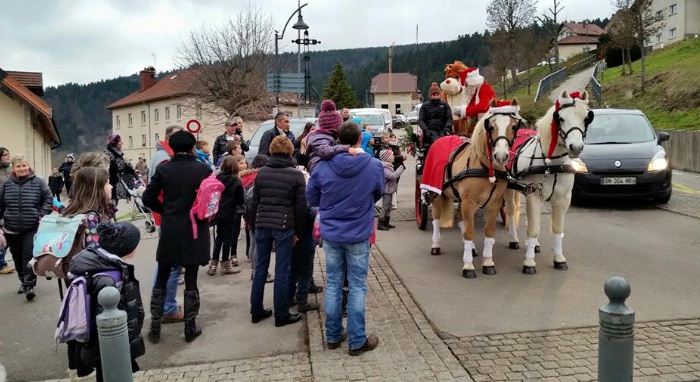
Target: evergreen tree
{"points": [[338, 89]]}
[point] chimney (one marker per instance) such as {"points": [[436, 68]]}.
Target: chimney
{"points": [[147, 78]]}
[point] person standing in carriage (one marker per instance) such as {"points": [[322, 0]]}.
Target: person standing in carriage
{"points": [[434, 118], [479, 93]]}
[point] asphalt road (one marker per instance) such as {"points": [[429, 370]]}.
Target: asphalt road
{"points": [[655, 249], [28, 351]]}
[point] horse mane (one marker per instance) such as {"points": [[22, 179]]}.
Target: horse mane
{"points": [[477, 146], [544, 127]]}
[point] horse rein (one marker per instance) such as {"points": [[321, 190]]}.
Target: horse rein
{"points": [[489, 129]]}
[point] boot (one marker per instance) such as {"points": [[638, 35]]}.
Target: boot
{"points": [[382, 225], [157, 305], [305, 305], [388, 222], [191, 312], [227, 269], [212, 267]]}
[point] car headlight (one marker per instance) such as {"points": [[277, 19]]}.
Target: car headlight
{"points": [[658, 162], [579, 166]]}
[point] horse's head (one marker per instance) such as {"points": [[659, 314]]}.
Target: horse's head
{"points": [[501, 125], [570, 121]]}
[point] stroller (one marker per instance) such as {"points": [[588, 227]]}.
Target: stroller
{"points": [[139, 210]]}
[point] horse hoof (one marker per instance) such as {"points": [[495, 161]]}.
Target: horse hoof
{"points": [[537, 249], [561, 266], [468, 273], [490, 270], [435, 251], [514, 245], [529, 270], [474, 253]]}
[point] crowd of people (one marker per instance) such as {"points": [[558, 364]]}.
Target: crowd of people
{"points": [[297, 193]]}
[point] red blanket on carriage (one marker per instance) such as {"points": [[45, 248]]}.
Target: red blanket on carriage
{"points": [[523, 135], [435, 162]]}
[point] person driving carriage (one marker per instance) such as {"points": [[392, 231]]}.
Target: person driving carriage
{"points": [[434, 118]]}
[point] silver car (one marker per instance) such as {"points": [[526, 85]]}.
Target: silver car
{"points": [[296, 126]]}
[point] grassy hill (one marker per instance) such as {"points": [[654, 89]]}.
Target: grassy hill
{"points": [[672, 98]]}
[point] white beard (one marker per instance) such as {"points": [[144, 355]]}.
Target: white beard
{"points": [[469, 92]]}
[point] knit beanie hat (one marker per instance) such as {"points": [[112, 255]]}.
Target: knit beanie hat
{"points": [[434, 88], [329, 118], [182, 141], [385, 155], [119, 239]]}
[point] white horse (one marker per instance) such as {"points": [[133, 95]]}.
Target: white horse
{"points": [[544, 164]]}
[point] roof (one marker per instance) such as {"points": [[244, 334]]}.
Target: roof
{"points": [[400, 83], [578, 40], [585, 29], [42, 108], [172, 85], [28, 79]]}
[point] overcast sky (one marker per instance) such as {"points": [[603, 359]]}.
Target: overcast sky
{"points": [[85, 41]]}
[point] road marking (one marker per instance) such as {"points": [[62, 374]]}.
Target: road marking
{"points": [[685, 189]]}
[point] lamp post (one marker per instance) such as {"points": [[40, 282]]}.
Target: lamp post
{"points": [[306, 41], [299, 25]]}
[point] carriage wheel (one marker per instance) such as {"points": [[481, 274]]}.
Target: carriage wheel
{"points": [[421, 208]]}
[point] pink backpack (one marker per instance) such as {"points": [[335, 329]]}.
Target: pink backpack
{"points": [[206, 204]]}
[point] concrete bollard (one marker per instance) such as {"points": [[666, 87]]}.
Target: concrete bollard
{"points": [[616, 335], [114, 338]]}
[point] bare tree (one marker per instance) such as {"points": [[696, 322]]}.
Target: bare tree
{"points": [[645, 24], [621, 33], [500, 57], [531, 49], [231, 62], [549, 20], [510, 16]]}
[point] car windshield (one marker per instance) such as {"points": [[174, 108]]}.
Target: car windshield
{"points": [[371, 119], [619, 128], [297, 127]]}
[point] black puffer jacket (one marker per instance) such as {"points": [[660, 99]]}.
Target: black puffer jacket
{"points": [[92, 261], [23, 202], [232, 199], [279, 196], [435, 116]]}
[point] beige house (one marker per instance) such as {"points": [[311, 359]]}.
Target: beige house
{"points": [[27, 125], [399, 92], [577, 38], [681, 19]]}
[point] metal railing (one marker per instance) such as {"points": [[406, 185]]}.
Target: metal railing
{"points": [[594, 84], [550, 82]]}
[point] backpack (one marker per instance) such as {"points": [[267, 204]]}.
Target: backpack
{"points": [[55, 242], [206, 204], [248, 199], [75, 315]]}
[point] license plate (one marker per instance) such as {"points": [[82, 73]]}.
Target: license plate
{"points": [[618, 180]]}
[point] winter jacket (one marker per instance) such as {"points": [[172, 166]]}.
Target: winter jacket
{"points": [[267, 138], [202, 157], [119, 168], [398, 156], [179, 180], [436, 116], [279, 200], [231, 202], [56, 183], [23, 202], [5, 172], [96, 260], [322, 144], [65, 170], [366, 139], [220, 144], [345, 189], [162, 154], [391, 177]]}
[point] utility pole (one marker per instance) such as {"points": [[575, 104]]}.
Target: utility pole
{"points": [[391, 59]]}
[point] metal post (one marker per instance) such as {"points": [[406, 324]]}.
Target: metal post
{"points": [[616, 336], [277, 69], [114, 338]]}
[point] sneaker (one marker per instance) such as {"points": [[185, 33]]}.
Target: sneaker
{"points": [[370, 344], [234, 262], [335, 345], [176, 316], [20, 290], [270, 278], [30, 294], [6, 270]]}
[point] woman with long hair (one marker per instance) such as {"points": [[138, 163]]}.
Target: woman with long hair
{"points": [[120, 171], [300, 154]]}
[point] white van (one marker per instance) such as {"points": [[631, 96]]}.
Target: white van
{"points": [[378, 120]]}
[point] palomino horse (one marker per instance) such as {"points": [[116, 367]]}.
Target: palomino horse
{"points": [[543, 164], [479, 181]]}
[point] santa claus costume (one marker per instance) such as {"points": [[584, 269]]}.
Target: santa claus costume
{"points": [[479, 93]]}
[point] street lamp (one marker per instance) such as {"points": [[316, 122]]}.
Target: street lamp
{"points": [[306, 41], [299, 25]]}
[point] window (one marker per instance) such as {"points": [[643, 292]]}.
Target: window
{"points": [[117, 122], [672, 32], [143, 117], [659, 14], [167, 113], [156, 115], [143, 140], [385, 106], [198, 111], [179, 112], [157, 137], [658, 37], [131, 141], [672, 9], [131, 120]]}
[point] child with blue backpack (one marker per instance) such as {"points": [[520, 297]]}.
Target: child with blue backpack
{"points": [[96, 268]]}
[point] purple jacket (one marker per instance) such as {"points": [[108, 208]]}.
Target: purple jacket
{"points": [[321, 144]]}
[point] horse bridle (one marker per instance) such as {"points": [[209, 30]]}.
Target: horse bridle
{"points": [[489, 129], [565, 134]]}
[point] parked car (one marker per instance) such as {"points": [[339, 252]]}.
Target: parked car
{"points": [[296, 125], [412, 117], [622, 158], [399, 121], [377, 120]]}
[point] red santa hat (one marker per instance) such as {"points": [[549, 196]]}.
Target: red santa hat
{"points": [[504, 107], [473, 78]]}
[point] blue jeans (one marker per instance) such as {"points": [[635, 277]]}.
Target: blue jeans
{"points": [[355, 258], [264, 237], [3, 263], [170, 290]]}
